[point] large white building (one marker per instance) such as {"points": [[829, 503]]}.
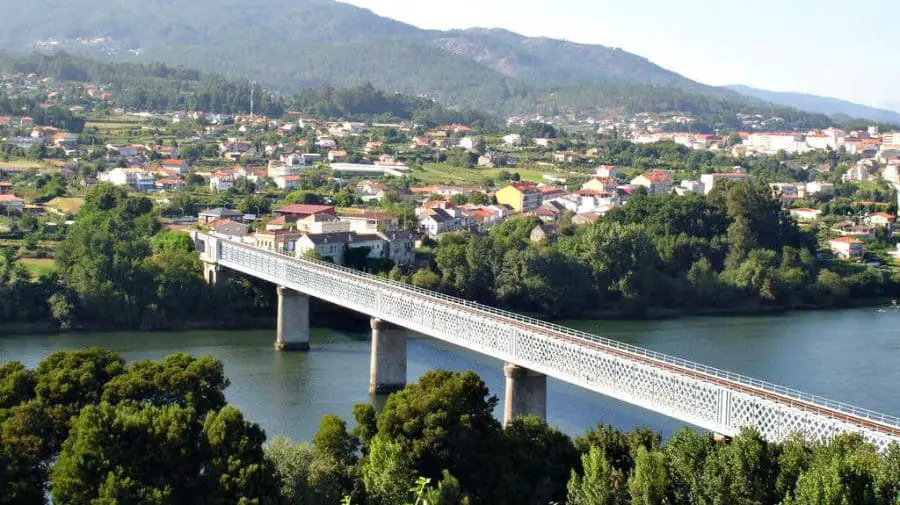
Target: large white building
{"points": [[771, 143], [136, 178], [709, 180]]}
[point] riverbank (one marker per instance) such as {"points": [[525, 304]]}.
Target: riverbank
{"points": [[326, 315]]}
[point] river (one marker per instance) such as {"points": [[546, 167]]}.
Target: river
{"points": [[847, 355]]}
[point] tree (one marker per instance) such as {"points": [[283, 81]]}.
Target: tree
{"points": [[598, 485], [843, 471], [196, 383], [386, 472], [538, 459], [685, 455], [292, 464], [648, 483], [445, 421]]}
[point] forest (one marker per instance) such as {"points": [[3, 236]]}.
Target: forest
{"points": [[86, 427], [161, 87]]}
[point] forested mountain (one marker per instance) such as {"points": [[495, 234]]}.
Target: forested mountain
{"points": [[289, 45], [820, 104], [159, 87]]}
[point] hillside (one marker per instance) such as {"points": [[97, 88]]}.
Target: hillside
{"points": [[820, 104], [289, 45]]}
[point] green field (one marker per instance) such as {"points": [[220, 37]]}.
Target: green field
{"points": [[446, 174], [39, 266]]}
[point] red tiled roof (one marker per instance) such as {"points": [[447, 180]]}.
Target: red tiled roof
{"points": [[301, 208]]}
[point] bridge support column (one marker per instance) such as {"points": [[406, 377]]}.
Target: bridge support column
{"points": [[387, 372], [292, 333], [526, 393], [213, 274]]}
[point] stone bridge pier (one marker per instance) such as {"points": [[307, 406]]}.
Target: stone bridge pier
{"points": [[526, 393], [387, 372]]}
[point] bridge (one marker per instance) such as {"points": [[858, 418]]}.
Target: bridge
{"points": [[713, 399]]}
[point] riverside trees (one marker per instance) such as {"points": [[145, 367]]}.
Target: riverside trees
{"points": [[87, 428]]}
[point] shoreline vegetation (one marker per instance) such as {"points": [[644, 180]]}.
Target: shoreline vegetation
{"points": [[733, 252], [87, 427]]}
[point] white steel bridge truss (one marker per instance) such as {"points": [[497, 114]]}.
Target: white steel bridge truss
{"points": [[716, 400]]}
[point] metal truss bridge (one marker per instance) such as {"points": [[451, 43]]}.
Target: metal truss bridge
{"points": [[717, 400]]}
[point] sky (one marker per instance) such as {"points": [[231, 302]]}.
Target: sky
{"points": [[823, 47]]}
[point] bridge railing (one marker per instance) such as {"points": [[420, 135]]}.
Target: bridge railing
{"points": [[824, 406]]}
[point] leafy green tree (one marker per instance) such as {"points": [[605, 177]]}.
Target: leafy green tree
{"points": [[169, 241], [685, 456], [843, 471], [292, 464], [599, 484], [445, 421], [386, 473], [740, 472], [648, 483], [197, 383], [538, 461]]}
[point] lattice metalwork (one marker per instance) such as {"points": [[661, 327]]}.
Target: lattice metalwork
{"points": [[706, 397]]}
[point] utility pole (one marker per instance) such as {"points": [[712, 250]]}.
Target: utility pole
{"points": [[252, 83]]}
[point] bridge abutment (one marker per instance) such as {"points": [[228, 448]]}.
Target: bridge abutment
{"points": [[292, 333], [526, 393], [387, 373]]}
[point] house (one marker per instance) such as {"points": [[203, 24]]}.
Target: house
{"points": [[5, 187], [369, 221], [280, 240], [230, 229], [469, 143], [826, 188], [688, 186], [566, 156], [543, 142], [657, 182], [136, 178], [606, 172], [169, 184], [847, 247], [337, 156], [300, 210], [219, 214], [438, 217], [512, 139], [710, 180], [806, 214], [521, 196], [221, 181], [12, 203], [601, 184], [881, 219], [543, 233], [287, 182], [373, 147], [180, 166]]}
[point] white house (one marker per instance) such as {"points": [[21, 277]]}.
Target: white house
{"points": [[806, 214], [468, 143], [221, 181], [847, 247], [709, 180], [512, 139], [136, 178]]}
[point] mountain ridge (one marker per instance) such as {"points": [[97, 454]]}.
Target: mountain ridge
{"points": [[821, 104], [291, 44]]}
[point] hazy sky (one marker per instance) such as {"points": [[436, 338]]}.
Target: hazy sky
{"points": [[826, 47]]}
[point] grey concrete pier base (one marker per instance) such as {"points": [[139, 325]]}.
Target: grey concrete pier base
{"points": [[526, 393], [213, 274], [292, 333], [387, 372]]}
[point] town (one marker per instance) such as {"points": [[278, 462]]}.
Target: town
{"points": [[321, 187]]}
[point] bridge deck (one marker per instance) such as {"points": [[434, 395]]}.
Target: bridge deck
{"points": [[705, 396]]}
